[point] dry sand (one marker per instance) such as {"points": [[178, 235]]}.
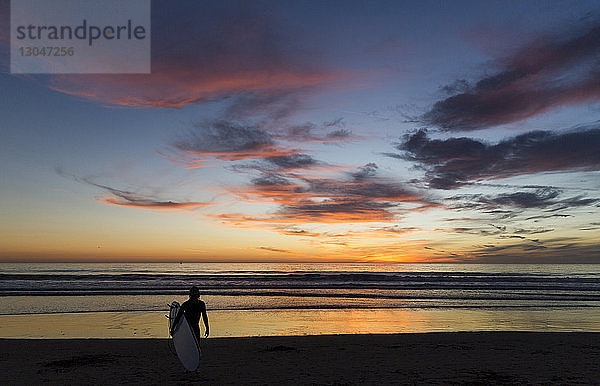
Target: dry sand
{"points": [[435, 358]]}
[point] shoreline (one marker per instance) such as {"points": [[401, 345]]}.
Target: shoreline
{"points": [[434, 358], [244, 323]]}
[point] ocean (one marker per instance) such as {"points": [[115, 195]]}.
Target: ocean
{"points": [[297, 298]]}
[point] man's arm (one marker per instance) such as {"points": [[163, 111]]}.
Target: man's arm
{"points": [[205, 319], [179, 315]]}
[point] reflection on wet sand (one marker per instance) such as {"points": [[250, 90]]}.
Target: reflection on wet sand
{"points": [[144, 324]]}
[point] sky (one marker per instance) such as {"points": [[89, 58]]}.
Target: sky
{"points": [[400, 131]]}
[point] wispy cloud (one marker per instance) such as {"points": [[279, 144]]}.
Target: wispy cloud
{"points": [[550, 72], [131, 199], [276, 250]]}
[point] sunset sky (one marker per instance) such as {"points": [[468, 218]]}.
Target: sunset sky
{"points": [[422, 131]]}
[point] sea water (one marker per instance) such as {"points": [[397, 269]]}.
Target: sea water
{"points": [[121, 300]]}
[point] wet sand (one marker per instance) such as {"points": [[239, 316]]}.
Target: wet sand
{"points": [[433, 358]]}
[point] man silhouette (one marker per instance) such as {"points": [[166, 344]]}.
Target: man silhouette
{"points": [[193, 308]]}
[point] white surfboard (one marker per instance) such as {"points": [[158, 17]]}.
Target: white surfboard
{"points": [[184, 341]]}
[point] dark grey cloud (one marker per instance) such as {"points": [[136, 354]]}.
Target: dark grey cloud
{"points": [[278, 250], [513, 237], [311, 133], [547, 216], [441, 251], [575, 201], [362, 184], [362, 196], [274, 150], [567, 250], [226, 138], [538, 199], [502, 232], [339, 134], [331, 210], [475, 231], [510, 204], [365, 172], [272, 179], [292, 161], [542, 75], [338, 122], [453, 162]]}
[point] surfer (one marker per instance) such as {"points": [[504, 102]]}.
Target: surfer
{"points": [[193, 309]]}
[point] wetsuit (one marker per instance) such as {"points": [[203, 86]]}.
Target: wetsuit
{"points": [[192, 309]]}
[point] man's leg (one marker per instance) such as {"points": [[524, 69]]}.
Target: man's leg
{"points": [[196, 330]]}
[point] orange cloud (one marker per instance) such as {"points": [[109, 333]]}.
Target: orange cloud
{"points": [[203, 52], [119, 197], [152, 204], [173, 86], [361, 198]]}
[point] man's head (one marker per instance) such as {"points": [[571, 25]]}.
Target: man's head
{"points": [[194, 292]]}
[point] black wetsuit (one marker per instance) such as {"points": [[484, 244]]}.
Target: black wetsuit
{"points": [[193, 309]]}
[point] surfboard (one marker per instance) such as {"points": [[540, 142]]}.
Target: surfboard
{"points": [[184, 341]]}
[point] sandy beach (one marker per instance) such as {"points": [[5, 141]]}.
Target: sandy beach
{"points": [[434, 358]]}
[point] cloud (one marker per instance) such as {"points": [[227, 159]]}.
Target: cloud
{"points": [[453, 162], [360, 197], [533, 231], [131, 199], [134, 200], [206, 52], [277, 250], [338, 211], [228, 140], [545, 74], [538, 199], [395, 230], [349, 236], [516, 203], [567, 250], [296, 231], [475, 231], [338, 122], [502, 232], [291, 161], [310, 133], [225, 140]]}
